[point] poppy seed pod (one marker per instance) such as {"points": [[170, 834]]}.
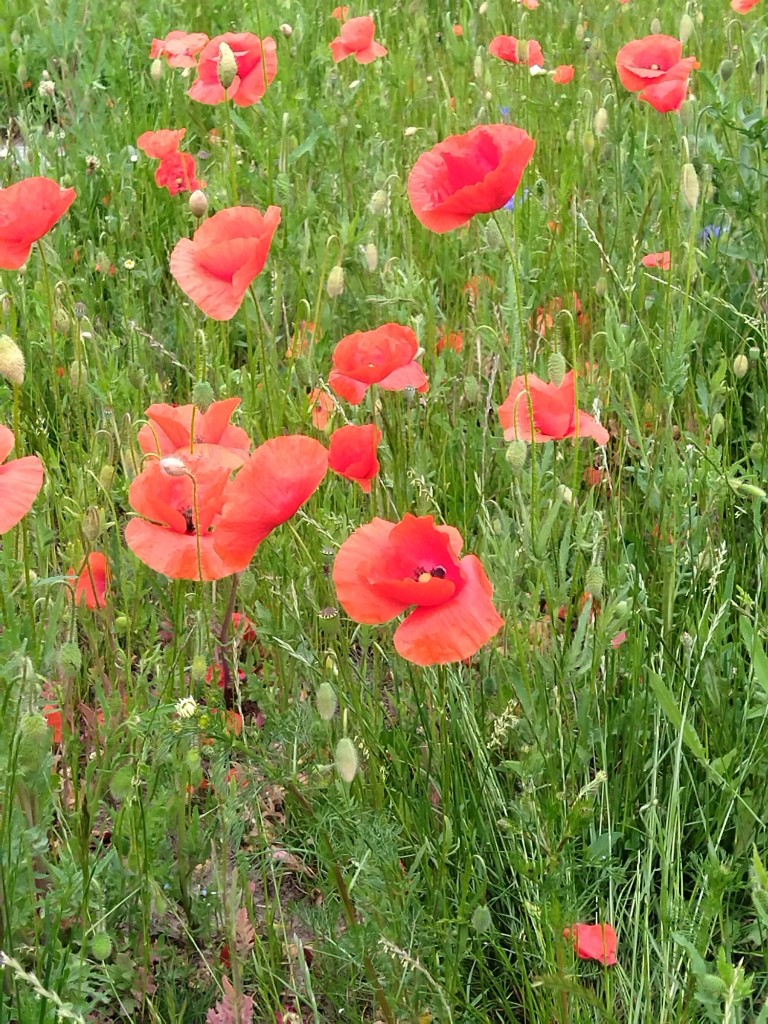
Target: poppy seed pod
{"points": [[754, 353], [198, 204], [345, 758], [11, 360], [335, 284], [689, 186], [686, 28], [556, 368], [227, 65], [740, 366], [203, 396]]}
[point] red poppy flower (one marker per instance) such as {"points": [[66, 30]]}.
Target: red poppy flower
{"points": [[386, 356], [468, 174], [303, 339], [55, 720], [654, 68], [553, 410], [179, 47], [20, 483], [547, 315], [161, 144], [180, 500], [453, 340], [356, 40], [340, 13], [563, 74], [28, 210], [243, 628], [216, 266], [177, 170], [256, 69], [180, 429], [352, 453], [594, 942], [274, 483], [92, 582], [517, 51], [322, 407], [658, 260], [744, 6], [384, 568]]}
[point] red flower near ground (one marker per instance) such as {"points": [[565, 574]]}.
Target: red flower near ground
{"points": [[453, 340], [180, 501], [177, 170], [92, 581], [517, 51], [563, 74], [340, 13], [183, 429], [658, 260], [216, 266], [553, 410], [384, 568], [352, 453], [28, 210], [478, 172], [386, 356], [356, 40], [654, 68], [274, 483], [20, 483], [55, 720], [744, 6], [594, 942], [180, 48], [256, 69], [322, 407]]}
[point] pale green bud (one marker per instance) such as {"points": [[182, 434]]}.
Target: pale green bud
{"points": [[346, 759]]}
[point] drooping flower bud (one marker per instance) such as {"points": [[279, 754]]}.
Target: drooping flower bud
{"points": [[686, 28], [556, 368], [600, 122], [517, 453], [371, 254], [727, 67], [335, 285], [655, 27], [378, 204], [326, 701], [227, 65], [740, 366], [203, 396], [286, 29], [594, 581], [346, 759], [156, 69], [689, 186], [11, 360], [198, 204]]}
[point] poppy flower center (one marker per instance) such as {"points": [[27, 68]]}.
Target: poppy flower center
{"points": [[189, 518], [425, 575], [655, 67]]}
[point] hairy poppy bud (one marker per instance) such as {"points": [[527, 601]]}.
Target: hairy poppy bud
{"points": [[601, 287], [600, 122], [283, 187], [493, 237], [588, 142], [11, 360], [371, 254], [471, 389], [726, 69], [70, 658], [477, 69], [565, 494], [156, 70], [482, 921], [756, 452], [483, 8], [740, 366], [689, 186], [93, 522], [61, 322], [686, 28], [378, 203], [198, 204], [556, 368], [517, 453], [199, 668], [335, 285], [101, 946], [203, 396], [107, 476], [326, 701], [227, 70], [579, 33], [570, 135], [286, 29], [718, 425], [78, 376], [345, 758], [174, 466], [594, 581], [655, 27]]}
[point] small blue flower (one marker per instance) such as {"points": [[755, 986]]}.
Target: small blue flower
{"points": [[504, 111], [511, 204], [711, 232]]}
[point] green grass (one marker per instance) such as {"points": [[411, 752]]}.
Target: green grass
{"points": [[554, 779]]}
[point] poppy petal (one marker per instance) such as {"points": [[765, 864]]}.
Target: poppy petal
{"points": [[453, 631], [359, 559], [176, 555], [20, 483]]}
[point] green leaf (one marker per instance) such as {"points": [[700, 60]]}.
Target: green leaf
{"points": [[669, 706]]}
